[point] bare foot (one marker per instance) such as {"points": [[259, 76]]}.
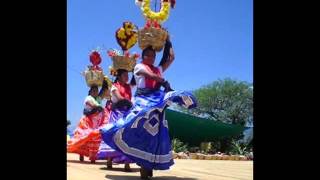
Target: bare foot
{"points": [[81, 158], [127, 168], [144, 174], [109, 164]]}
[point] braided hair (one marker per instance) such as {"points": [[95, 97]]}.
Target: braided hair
{"points": [[119, 73], [92, 88]]}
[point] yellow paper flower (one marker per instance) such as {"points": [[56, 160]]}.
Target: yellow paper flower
{"points": [[160, 16], [113, 72], [121, 33]]}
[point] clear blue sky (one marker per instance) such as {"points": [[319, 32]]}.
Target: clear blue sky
{"points": [[212, 39]]}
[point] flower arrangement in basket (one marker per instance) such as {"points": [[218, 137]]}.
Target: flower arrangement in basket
{"points": [[126, 37], [153, 34], [122, 61], [94, 74]]}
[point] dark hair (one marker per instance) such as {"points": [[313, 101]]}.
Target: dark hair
{"points": [[119, 73], [92, 88], [149, 48], [103, 89], [133, 80], [104, 84]]}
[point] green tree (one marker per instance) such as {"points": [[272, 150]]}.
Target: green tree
{"points": [[227, 100], [206, 147], [178, 146], [239, 148]]}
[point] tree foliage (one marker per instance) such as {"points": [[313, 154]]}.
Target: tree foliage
{"points": [[227, 100]]}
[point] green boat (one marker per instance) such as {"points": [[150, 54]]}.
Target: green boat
{"points": [[194, 130]]}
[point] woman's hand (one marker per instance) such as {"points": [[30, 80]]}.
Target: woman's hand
{"points": [[117, 94], [167, 87], [168, 55], [168, 37], [151, 75], [157, 78]]}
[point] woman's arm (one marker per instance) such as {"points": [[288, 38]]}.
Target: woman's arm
{"points": [[169, 61], [168, 55], [150, 75], [94, 106], [92, 102], [117, 94]]}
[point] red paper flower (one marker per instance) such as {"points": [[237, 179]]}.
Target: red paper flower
{"points": [[156, 24], [95, 58], [136, 56], [96, 68], [126, 53], [148, 24], [111, 53]]}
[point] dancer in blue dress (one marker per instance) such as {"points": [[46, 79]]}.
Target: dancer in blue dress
{"points": [[142, 134]]}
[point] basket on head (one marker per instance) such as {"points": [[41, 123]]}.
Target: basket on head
{"points": [[94, 77], [155, 37], [124, 62]]}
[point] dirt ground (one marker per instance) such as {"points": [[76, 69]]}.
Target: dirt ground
{"points": [[183, 169]]}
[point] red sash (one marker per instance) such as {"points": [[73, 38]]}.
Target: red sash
{"points": [[124, 90], [150, 83]]}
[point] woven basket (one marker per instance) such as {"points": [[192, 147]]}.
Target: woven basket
{"points": [[152, 37], [94, 77], [124, 62]]}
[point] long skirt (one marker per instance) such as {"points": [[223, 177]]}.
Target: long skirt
{"points": [[142, 134], [105, 151], [86, 137]]}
